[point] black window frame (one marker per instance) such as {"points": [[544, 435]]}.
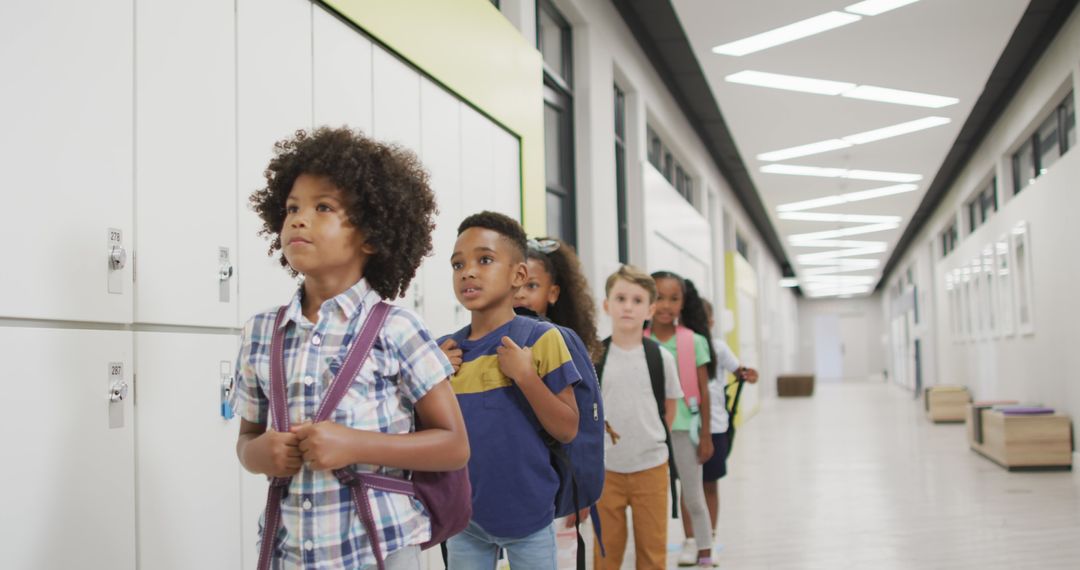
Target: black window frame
{"points": [[559, 95], [1032, 143], [622, 221]]}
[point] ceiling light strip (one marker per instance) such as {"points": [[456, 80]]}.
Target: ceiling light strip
{"points": [[842, 88], [789, 33], [824, 172], [855, 139]]}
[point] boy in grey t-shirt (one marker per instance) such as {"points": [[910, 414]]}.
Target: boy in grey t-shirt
{"points": [[636, 452]]}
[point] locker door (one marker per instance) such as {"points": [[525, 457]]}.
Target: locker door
{"points": [[441, 153], [253, 490], [186, 163], [477, 167], [273, 101], [397, 120], [188, 476], [506, 157], [67, 157], [342, 74], [71, 500]]}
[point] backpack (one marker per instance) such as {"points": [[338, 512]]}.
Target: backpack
{"points": [[446, 495], [579, 464], [655, 363]]}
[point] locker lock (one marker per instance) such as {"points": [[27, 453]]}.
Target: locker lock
{"points": [[225, 271], [117, 257], [118, 391]]}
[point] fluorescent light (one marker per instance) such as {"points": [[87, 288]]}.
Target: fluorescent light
{"points": [[840, 243], [897, 130], [837, 199], [875, 7], [789, 33], [827, 257], [804, 150], [853, 231], [850, 218], [789, 282], [797, 170], [886, 95], [840, 280], [790, 82], [842, 265]]}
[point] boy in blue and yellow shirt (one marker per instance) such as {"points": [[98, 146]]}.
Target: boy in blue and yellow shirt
{"points": [[510, 396]]}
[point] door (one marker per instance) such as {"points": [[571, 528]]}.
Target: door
{"points": [[828, 350], [67, 150], [185, 168], [69, 471], [853, 347], [274, 93], [188, 473]]}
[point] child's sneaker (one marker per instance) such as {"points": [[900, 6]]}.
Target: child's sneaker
{"points": [[688, 555], [706, 562]]}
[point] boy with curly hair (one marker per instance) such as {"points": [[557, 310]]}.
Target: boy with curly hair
{"points": [[354, 218], [513, 396]]}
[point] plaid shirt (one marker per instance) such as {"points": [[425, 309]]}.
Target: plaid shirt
{"points": [[319, 525]]}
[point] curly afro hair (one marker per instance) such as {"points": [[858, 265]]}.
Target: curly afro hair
{"points": [[385, 190], [575, 308], [693, 314], [510, 229]]}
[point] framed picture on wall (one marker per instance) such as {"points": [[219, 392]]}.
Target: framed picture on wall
{"points": [[1002, 271], [990, 292], [1021, 259]]}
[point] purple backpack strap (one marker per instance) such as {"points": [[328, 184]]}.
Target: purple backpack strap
{"points": [[279, 415]]}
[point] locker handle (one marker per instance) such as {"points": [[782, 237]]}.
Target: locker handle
{"points": [[117, 257], [118, 392], [225, 272]]}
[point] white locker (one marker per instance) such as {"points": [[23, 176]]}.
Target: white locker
{"points": [[274, 94], [185, 170], [67, 152], [188, 473], [441, 152], [253, 490], [342, 74], [506, 166], [396, 113], [70, 477], [477, 165]]}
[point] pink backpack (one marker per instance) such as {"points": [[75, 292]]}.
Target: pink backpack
{"points": [[446, 495]]}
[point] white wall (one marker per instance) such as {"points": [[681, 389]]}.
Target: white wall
{"points": [[1041, 366], [605, 53]]}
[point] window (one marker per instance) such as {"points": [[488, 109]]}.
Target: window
{"points": [[665, 162], [741, 246], [1054, 137], [982, 206], [553, 39], [949, 237], [620, 176]]}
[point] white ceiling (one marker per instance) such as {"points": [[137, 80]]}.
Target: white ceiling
{"points": [[940, 47]]}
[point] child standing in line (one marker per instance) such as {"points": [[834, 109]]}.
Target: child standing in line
{"points": [[511, 395], [636, 455], [678, 305], [354, 217], [716, 467]]}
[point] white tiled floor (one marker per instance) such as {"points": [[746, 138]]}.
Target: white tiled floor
{"points": [[855, 477]]}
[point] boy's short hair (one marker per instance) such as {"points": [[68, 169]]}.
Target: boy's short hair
{"points": [[633, 275], [385, 191], [502, 224]]}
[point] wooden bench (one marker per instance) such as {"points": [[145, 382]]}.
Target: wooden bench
{"points": [[795, 385], [1021, 442], [946, 404]]}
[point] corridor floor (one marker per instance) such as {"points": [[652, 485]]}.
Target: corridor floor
{"points": [[856, 477]]}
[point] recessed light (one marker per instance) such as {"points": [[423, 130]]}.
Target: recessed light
{"points": [[790, 82], [843, 88], [851, 218], [798, 170], [789, 33], [886, 95], [875, 7], [851, 140], [845, 198]]}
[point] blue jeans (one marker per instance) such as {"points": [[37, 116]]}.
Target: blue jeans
{"points": [[475, 549]]}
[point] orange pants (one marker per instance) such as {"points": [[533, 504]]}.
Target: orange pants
{"points": [[646, 493]]}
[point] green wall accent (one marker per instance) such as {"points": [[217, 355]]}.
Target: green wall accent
{"points": [[475, 52]]}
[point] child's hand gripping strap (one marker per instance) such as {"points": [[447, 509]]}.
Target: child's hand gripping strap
{"points": [[279, 416]]}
